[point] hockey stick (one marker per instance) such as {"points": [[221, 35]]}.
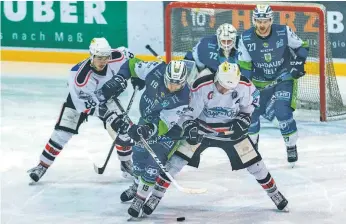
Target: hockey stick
{"points": [[162, 167], [100, 170], [154, 52], [159, 139]]}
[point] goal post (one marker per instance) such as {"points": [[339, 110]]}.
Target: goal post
{"points": [[187, 22]]}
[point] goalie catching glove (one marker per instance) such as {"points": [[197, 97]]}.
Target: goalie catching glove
{"points": [[240, 126]]}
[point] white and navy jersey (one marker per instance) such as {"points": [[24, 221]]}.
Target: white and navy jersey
{"points": [[262, 59], [215, 111], [85, 83]]}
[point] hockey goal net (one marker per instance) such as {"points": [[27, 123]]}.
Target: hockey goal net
{"points": [[187, 22]]}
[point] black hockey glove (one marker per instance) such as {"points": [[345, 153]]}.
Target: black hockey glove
{"points": [[190, 131], [117, 123], [146, 131], [114, 87], [137, 82], [240, 126], [297, 70]]}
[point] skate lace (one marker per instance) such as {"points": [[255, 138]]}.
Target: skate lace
{"points": [[132, 190], [137, 204], [277, 198], [292, 152], [152, 202], [126, 166], [39, 170]]}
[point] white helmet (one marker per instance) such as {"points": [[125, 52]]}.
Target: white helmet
{"points": [[228, 75], [226, 32], [100, 47], [262, 12], [176, 72]]}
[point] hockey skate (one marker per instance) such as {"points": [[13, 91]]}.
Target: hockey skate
{"points": [[280, 201], [130, 193], [37, 172], [151, 204], [292, 155], [126, 168], [136, 206]]}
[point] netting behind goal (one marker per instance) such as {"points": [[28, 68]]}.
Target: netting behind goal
{"points": [[187, 22]]}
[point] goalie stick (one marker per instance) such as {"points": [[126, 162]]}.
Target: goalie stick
{"points": [[100, 170], [162, 167]]}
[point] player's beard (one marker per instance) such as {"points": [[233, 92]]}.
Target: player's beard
{"points": [[263, 31]]}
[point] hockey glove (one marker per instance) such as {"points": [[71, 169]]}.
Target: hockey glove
{"points": [[190, 131], [114, 87], [117, 123], [240, 126], [137, 82], [297, 70], [146, 131]]}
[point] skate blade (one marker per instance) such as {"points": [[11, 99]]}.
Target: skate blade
{"points": [[292, 164], [137, 219], [286, 209]]}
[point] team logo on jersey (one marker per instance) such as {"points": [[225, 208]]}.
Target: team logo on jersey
{"points": [[265, 44], [279, 43], [234, 94], [220, 111], [165, 103], [268, 57], [84, 96], [210, 95], [212, 46]]}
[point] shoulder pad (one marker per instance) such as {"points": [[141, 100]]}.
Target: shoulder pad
{"points": [[116, 56], [202, 81], [246, 35], [82, 73], [210, 41]]}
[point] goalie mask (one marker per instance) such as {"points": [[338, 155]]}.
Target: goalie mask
{"points": [[175, 75], [227, 76], [226, 36], [100, 52]]}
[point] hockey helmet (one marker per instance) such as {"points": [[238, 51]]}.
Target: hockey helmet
{"points": [[228, 75], [226, 36], [176, 73]]}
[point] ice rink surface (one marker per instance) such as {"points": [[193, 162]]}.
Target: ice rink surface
{"points": [[71, 192]]}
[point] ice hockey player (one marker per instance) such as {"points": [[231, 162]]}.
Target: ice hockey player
{"points": [[266, 52], [219, 103], [166, 96], [212, 50], [91, 84]]}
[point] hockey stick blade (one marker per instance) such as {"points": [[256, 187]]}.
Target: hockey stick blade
{"points": [[99, 170], [102, 169]]}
